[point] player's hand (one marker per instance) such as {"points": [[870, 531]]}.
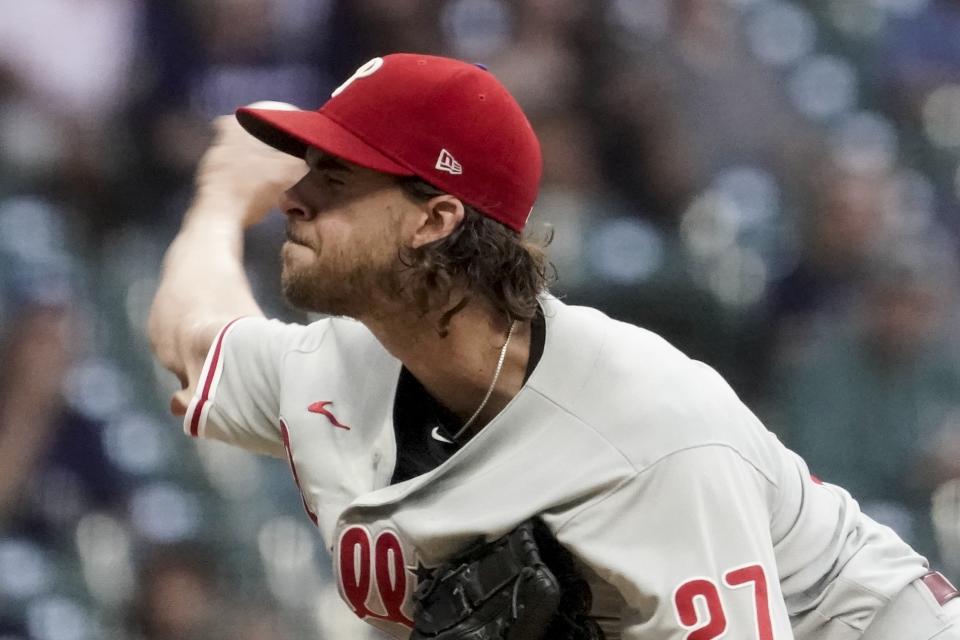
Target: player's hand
{"points": [[242, 177]]}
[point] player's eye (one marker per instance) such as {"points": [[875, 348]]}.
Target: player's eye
{"points": [[330, 179]]}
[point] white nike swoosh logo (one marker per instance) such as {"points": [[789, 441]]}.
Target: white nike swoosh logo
{"points": [[435, 434]]}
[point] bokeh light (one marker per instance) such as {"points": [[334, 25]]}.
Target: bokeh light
{"points": [[780, 33], [824, 86], [941, 116]]}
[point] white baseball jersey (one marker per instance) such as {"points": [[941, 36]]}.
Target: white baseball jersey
{"points": [[688, 518]]}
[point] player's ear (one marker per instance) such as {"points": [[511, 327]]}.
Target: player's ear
{"points": [[439, 217]]}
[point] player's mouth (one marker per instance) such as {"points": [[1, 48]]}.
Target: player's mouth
{"points": [[292, 239]]}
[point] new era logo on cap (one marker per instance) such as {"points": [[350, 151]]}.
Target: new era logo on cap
{"points": [[446, 162]]}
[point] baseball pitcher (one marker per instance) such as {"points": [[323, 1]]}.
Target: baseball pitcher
{"points": [[483, 460]]}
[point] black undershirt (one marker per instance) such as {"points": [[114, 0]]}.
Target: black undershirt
{"points": [[416, 413]]}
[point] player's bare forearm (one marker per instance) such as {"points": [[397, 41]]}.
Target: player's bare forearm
{"points": [[203, 285]]}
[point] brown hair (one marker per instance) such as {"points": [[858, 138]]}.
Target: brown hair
{"points": [[481, 255]]}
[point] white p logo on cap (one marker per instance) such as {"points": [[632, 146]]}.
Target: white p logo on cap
{"points": [[367, 69]]}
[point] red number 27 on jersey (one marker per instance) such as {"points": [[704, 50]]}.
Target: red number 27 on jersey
{"points": [[712, 621]]}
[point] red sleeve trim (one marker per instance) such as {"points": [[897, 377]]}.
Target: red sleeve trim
{"points": [[208, 381]]}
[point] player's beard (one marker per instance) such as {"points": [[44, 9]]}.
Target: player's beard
{"points": [[348, 281]]}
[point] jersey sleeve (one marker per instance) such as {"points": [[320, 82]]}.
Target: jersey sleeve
{"points": [[238, 394], [686, 543]]}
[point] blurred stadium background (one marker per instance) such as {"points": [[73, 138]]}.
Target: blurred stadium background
{"points": [[771, 184]]}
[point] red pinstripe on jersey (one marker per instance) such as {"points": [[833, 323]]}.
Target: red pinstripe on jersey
{"points": [[208, 381]]}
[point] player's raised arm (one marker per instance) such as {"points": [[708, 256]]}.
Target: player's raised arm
{"points": [[203, 285]]}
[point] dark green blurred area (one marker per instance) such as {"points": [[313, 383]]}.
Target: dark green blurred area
{"points": [[771, 185]]}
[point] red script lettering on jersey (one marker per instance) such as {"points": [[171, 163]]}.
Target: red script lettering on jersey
{"points": [[321, 408], [355, 556]]}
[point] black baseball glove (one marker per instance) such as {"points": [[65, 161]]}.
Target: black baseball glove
{"points": [[523, 586]]}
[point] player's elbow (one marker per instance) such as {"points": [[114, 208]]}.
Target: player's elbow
{"points": [[171, 332], [164, 341], [157, 327]]}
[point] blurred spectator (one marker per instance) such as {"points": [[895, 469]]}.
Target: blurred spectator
{"points": [[184, 594], [53, 457], [179, 595], [865, 403], [36, 357], [87, 85], [676, 107], [395, 25], [54, 467], [200, 60], [847, 222], [60, 112]]}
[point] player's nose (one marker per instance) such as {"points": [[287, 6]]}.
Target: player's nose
{"points": [[293, 206]]}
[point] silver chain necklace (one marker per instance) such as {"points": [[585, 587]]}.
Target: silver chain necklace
{"points": [[493, 383]]}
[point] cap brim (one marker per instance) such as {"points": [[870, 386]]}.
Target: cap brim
{"points": [[293, 132]]}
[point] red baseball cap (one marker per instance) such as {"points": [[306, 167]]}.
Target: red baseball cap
{"points": [[448, 122]]}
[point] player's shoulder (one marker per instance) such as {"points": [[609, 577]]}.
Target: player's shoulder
{"points": [[610, 352], [639, 392], [284, 338]]}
